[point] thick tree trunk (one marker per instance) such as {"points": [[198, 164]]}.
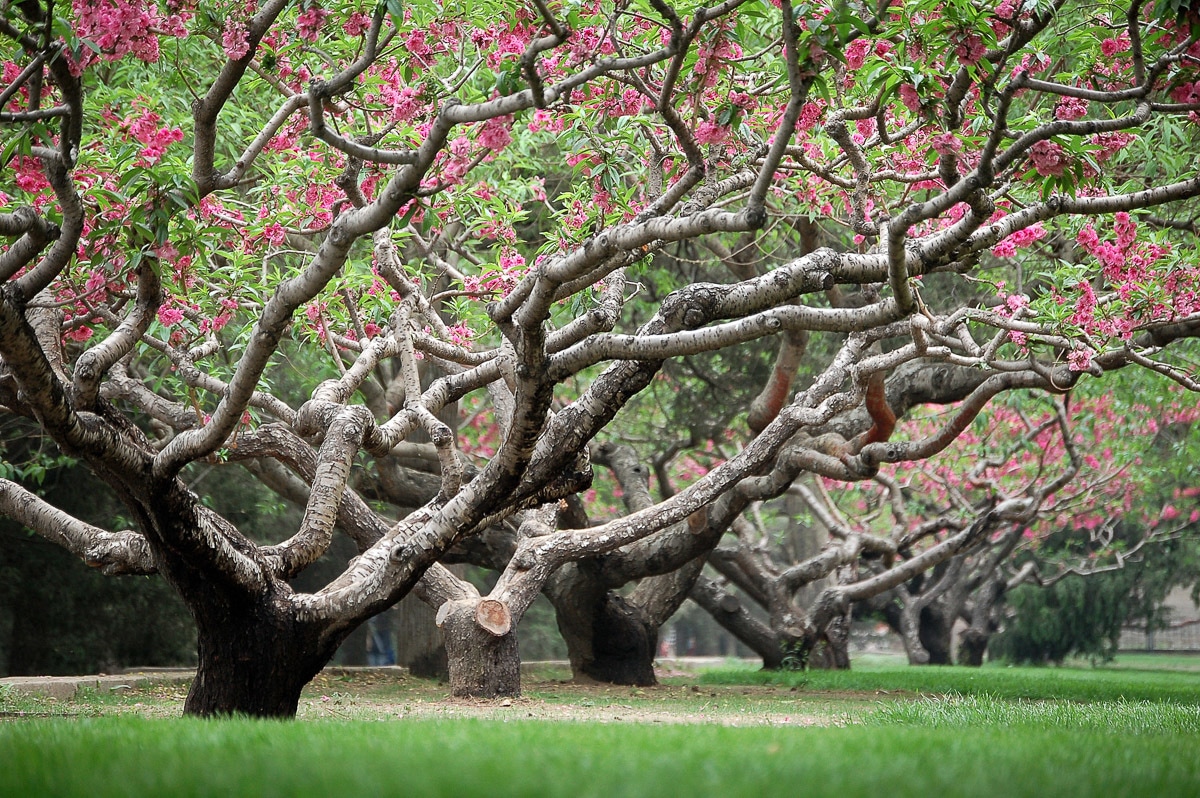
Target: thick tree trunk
{"points": [[608, 639], [624, 645], [481, 649], [972, 647], [832, 651], [936, 631], [254, 660]]}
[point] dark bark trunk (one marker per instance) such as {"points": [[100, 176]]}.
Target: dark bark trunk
{"points": [[482, 663], [972, 647], [624, 645], [832, 651], [731, 613], [254, 660], [608, 639], [936, 632]]}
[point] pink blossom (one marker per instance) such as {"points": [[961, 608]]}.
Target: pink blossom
{"points": [[910, 98], [1005, 249], [1087, 238], [358, 24], [1111, 143], [119, 28], [1125, 228], [709, 132], [511, 260], [496, 133], [233, 39], [1048, 158], [460, 335], [169, 315], [1080, 359], [810, 115], [310, 22], [946, 144], [969, 47], [1071, 108], [274, 233], [406, 103], [856, 53], [80, 334], [1111, 47]]}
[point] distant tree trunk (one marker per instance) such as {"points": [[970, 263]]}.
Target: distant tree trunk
{"points": [[420, 646], [6, 627], [936, 632], [832, 651], [974, 642], [624, 644], [481, 649], [608, 639]]}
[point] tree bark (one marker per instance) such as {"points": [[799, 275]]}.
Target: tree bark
{"points": [[608, 639], [624, 645], [481, 649], [936, 632], [254, 660]]}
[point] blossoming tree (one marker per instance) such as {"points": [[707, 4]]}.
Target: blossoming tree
{"points": [[1064, 472], [422, 204]]}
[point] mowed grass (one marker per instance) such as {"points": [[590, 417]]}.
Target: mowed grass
{"points": [[1067, 684], [137, 756], [899, 731]]}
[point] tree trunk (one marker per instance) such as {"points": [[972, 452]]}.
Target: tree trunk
{"points": [[623, 645], [481, 649], [419, 643], [936, 631], [832, 650], [608, 639], [972, 647], [254, 660]]}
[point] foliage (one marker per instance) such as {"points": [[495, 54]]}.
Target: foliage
{"points": [[1076, 616]]}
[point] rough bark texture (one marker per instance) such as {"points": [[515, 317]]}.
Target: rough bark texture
{"points": [[254, 661], [623, 645], [936, 632], [482, 664], [608, 639]]}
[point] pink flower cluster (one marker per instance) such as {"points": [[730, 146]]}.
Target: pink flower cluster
{"points": [[969, 47], [233, 39], [1071, 108], [118, 28], [1024, 237], [709, 132], [496, 133], [1049, 158], [310, 22], [143, 127]]}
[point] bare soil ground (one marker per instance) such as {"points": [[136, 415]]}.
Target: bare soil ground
{"points": [[548, 694]]}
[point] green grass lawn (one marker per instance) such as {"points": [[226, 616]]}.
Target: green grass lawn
{"points": [[884, 730], [133, 756], [1070, 684]]}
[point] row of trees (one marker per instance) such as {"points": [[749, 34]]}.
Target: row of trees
{"points": [[305, 238]]}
